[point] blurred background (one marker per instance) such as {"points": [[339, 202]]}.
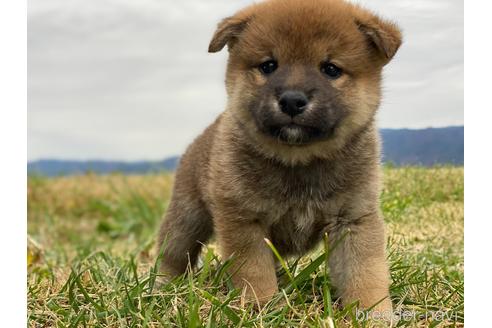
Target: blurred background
{"points": [[120, 85]]}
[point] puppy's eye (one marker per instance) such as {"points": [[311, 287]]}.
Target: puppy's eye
{"points": [[331, 70], [268, 67]]}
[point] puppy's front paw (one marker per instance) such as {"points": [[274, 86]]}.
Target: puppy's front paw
{"points": [[257, 293]]}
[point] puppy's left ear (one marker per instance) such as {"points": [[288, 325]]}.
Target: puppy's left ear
{"points": [[384, 36], [229, 30]]}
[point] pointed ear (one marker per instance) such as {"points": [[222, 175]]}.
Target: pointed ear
{"points": [[228, 31], [384, 36]]}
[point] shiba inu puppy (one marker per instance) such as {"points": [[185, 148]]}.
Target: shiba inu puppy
{"points": [[296, 152]]}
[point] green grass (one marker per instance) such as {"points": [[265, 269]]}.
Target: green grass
{"points": [[91, 259]]}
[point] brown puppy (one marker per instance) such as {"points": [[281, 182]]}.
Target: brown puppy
{"points": [[296, 152]]}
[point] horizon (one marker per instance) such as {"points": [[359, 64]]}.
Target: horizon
{"points": [[172, 156]]}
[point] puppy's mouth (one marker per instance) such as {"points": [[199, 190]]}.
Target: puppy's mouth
{"points": [[295, 134]]}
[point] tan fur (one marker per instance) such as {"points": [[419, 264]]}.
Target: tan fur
{"points": [[245, 185]]}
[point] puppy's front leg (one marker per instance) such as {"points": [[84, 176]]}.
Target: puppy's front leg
{"points": [[358, 266], [253, 265]]}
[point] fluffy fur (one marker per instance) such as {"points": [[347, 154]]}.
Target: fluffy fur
{"points": [[249, 176]]}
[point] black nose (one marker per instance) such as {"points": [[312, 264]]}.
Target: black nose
{"points": [[293, 102]]}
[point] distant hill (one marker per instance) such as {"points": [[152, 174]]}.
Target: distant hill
{"points": [[400, 147], [424, 147], [53, 167]]}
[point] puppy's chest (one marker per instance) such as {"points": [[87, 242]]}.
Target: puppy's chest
{"points": [[280, 185], [295, 204], [300, 227]]}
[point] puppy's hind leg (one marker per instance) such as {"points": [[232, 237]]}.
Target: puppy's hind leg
{"points": [[186, 226]]}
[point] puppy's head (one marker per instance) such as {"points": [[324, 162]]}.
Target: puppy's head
{"points": [[304, 75]]}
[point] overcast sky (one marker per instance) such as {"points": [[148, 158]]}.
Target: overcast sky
{"points": [[129, 80]]}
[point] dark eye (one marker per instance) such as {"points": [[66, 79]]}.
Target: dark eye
{"points": [[268, 67], [331, 70]]}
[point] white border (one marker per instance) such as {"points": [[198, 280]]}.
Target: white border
{"points": [[478, 162], [13, 130]]}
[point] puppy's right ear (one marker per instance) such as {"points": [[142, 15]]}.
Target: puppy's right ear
{"points": [[384, 36], [228, 31]]}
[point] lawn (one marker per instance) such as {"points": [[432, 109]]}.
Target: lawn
{"points": [[91, 259]]}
